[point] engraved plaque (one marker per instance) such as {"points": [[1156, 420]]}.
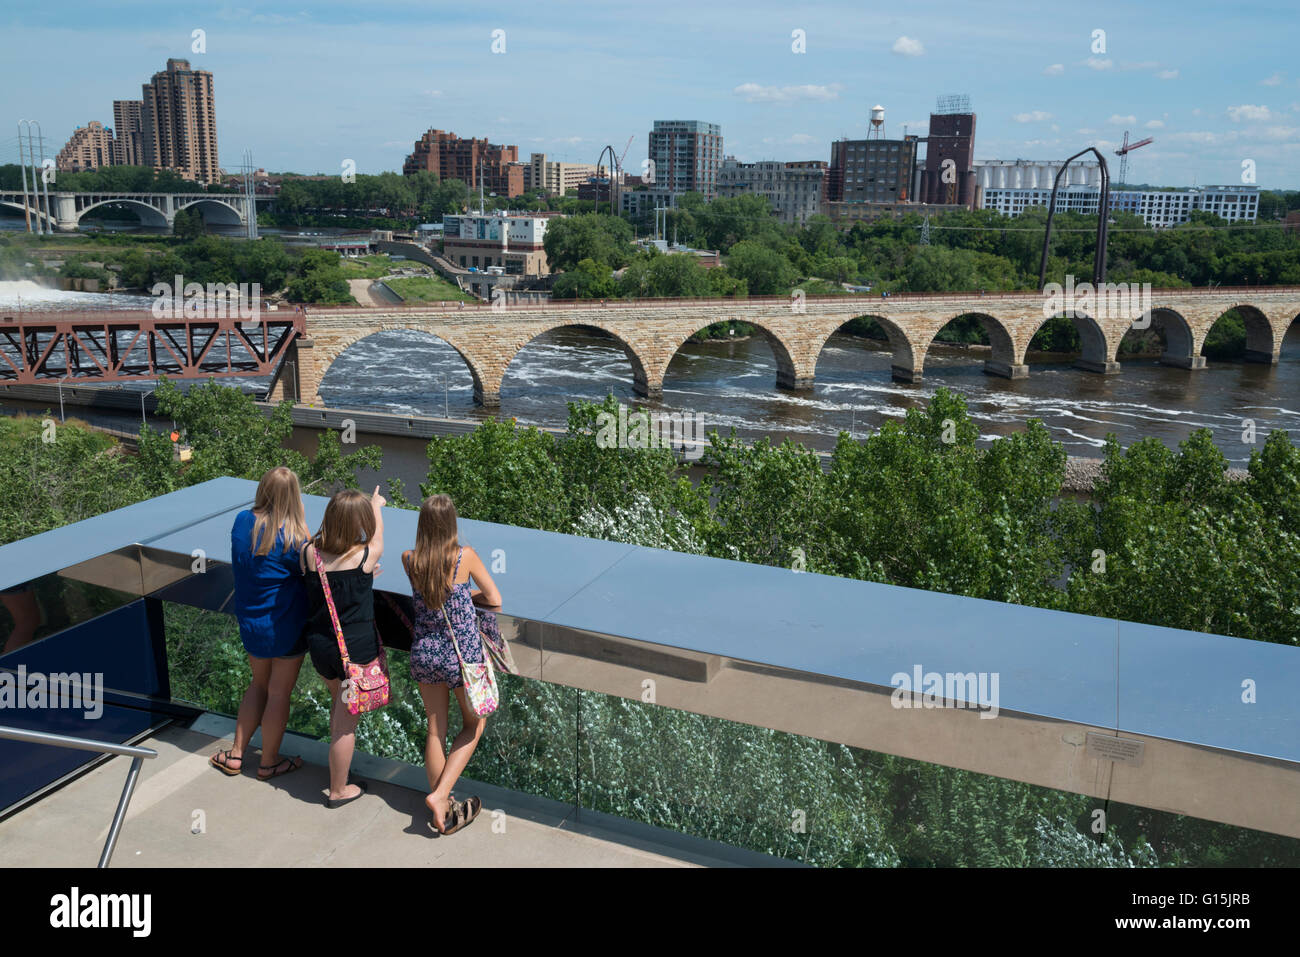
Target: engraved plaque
{"points": [[1110, 748]]}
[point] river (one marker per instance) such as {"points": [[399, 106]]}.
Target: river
{"points": [[732, 385]]}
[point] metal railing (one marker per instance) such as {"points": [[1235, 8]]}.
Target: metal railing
{"points": [[137, 755]]}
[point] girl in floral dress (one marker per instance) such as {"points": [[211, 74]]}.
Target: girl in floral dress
{"points": [[441, 570]]}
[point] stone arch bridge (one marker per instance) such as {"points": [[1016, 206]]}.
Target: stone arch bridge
{"points": [[652, 331], [154, 209]]}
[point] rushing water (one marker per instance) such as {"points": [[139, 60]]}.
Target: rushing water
{"points": [[733, 384]]}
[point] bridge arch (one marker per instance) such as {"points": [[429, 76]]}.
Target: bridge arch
{"points": [[1181, 347], [906, 360], [44, 217], [149, 215], [794, 371], [1003, 361], [227, 215], [314, 364], [1097, 350], [1263, 342], [498, 367]]}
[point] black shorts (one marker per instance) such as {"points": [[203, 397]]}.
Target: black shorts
{"points": [[362, 649]]}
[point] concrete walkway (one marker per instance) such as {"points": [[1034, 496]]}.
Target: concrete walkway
{"points": [[283, 823], [368, 292]]}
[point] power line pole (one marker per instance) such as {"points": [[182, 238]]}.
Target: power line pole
{"points": [[925, 231], [22, 164]]}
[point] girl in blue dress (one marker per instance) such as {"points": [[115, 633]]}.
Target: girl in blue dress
{"points": [[440, 570], [271, 606]]}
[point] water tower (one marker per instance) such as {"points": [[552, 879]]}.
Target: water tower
{"points": [[877, 123]]}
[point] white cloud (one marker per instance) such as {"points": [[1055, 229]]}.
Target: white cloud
{"points": [[908, 47], [755, 93], [1167, 75], [1085, 131], [1248, 112], [1287, 133], [433, 92], [1274, 80], [1097, 63], [1056, 69], [1034, 116], [1117, 120], [1154, 124]]}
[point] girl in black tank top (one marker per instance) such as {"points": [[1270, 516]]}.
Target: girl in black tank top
{"points": [[353, 526]]}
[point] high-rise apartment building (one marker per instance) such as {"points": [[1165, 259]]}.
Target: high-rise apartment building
{"points": [[687, 156], [128, 124], [89, 147], [451, 157], [179, 122]]}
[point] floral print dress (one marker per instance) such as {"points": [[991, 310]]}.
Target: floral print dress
{"points": [[433, 656]]}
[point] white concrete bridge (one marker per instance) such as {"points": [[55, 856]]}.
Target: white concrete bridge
{"points": [[154, 209]]}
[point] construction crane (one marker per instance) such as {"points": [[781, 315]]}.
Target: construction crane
{"points": [[625, 149], [1123, 152]]}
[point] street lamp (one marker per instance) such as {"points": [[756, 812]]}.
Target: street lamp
{"points": [[61, 418], [142, 398]]}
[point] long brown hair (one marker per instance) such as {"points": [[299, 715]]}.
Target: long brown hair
{"points": [[349, 520], [436, 541], [278, 505]]}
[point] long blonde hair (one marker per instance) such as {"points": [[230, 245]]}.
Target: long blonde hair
{"points": [[434, 557], [278, 505], [349, 520]]}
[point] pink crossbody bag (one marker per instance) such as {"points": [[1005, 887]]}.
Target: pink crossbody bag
{"points": [[366, 687]]}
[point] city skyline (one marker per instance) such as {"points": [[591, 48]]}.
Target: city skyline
{"points": [[306, 90]]}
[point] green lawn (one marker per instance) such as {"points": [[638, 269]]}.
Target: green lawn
{"points": [[428, 289], [367, 267]]}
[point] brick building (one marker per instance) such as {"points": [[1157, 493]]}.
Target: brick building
{"points": [[451, 157], [89, 147]]}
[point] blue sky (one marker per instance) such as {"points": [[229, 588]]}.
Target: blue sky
{"points": [[306, 86]]}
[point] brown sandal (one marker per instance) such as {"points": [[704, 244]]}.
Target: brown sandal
{"points": [[463, 813], [223, 765]]}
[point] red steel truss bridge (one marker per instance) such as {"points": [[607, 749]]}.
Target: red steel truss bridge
{"points": [[120, 346]]}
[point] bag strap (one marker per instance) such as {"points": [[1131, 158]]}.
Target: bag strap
{"points": [[329, 603]]}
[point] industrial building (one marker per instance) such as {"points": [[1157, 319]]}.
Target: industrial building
{"points": [[793, 189], [949, 173]]}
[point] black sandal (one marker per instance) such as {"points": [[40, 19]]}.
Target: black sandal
{"points": [[274, 768], [332, 803]]}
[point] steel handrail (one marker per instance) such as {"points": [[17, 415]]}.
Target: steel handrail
{"points": [[136, 754]]}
